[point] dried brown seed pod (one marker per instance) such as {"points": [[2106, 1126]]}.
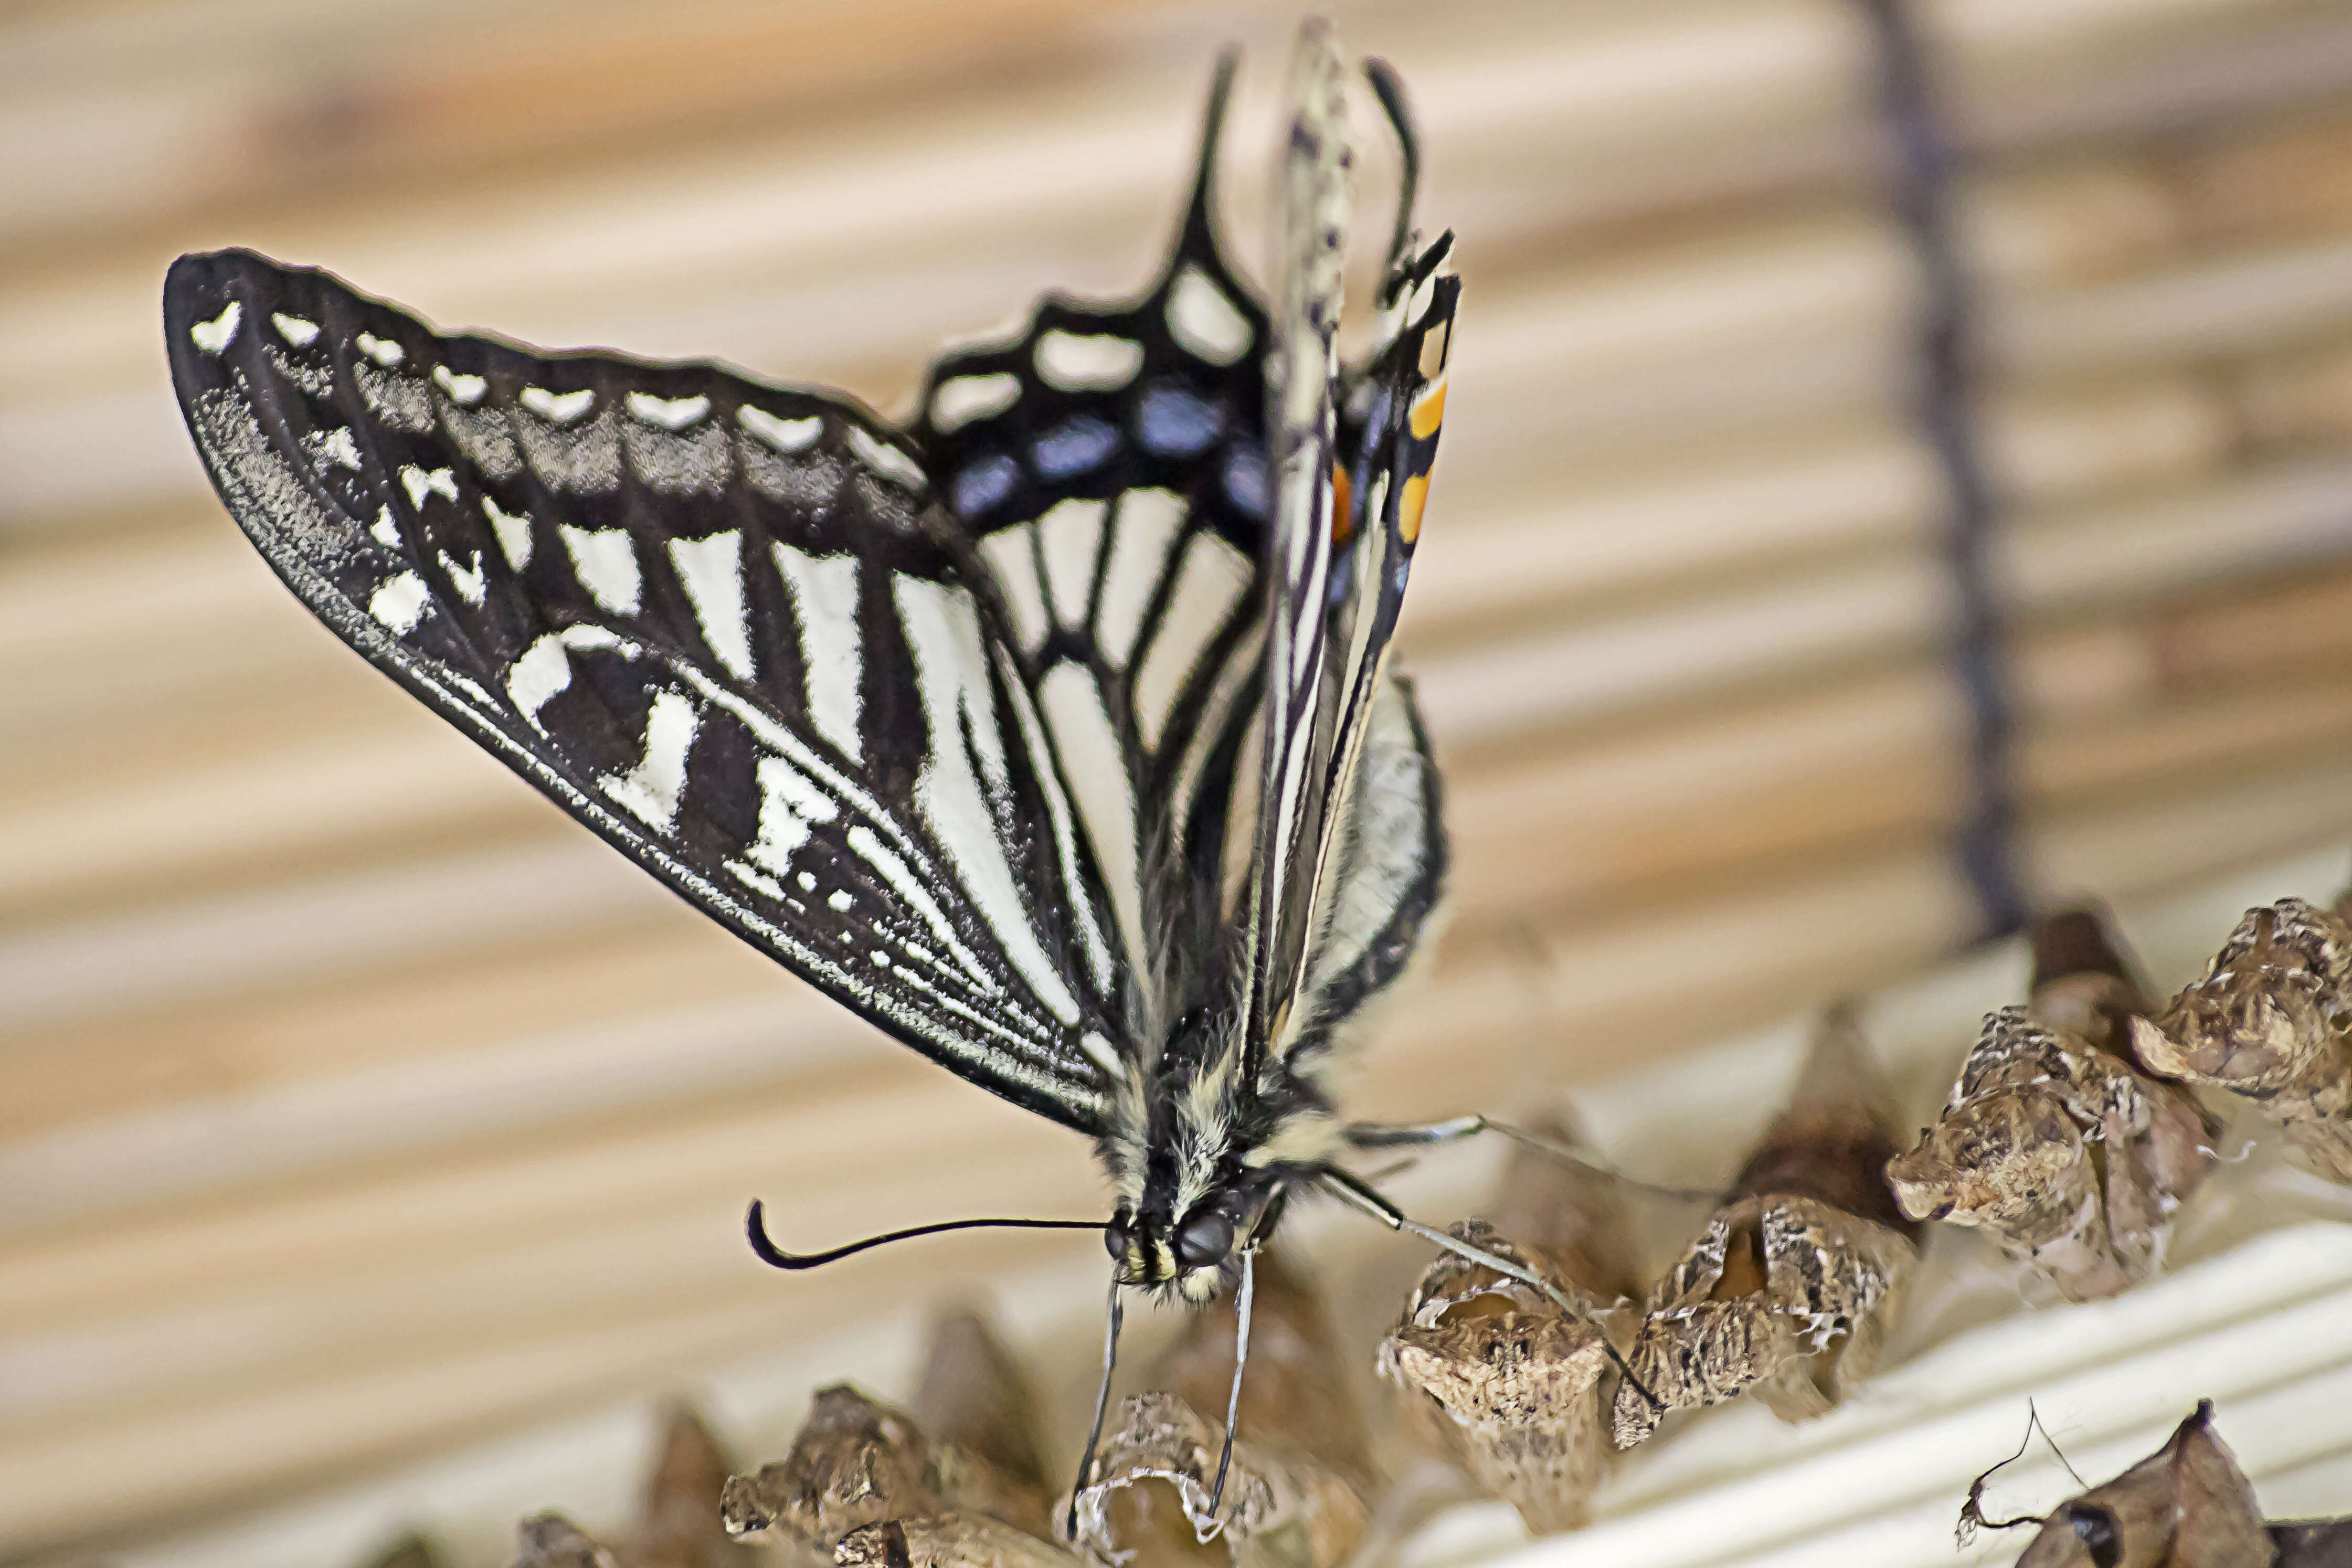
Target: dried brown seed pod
{"points": [[1301, 1469], [977, 1402], [2271, 1022], [1789, 1292], [678, 1523], [410, 1551], [2187, 1505], [2067, 1156], [855, 1461], [973, 1453], [2084, 981], [1511, 1386], [948, 1540], [551, 1540]]}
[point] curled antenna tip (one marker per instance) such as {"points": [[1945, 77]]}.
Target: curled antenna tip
{"points": [[755, 1227]]}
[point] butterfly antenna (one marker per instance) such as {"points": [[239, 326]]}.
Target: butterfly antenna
{"points": [[1391, 92], [755, 1225], [1233, 1398], [1347, 1188], [1102, 1408]]}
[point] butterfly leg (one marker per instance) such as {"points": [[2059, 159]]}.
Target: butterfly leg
{"points": [[1401, 1135], [1234, 1400], [1102, 1408], [1352, 1192], [1371, 1135]]}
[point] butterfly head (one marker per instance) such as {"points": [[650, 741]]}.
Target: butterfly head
{"points": [[1194, 1254]]}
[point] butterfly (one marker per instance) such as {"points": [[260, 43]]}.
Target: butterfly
{"points": [[1051, 731]]}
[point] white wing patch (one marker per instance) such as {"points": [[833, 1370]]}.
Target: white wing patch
{"points": [[545, 668], [712, 572], [340, 448], [650, 790], [824, 608], [557, 407], [217, 334], [951, 675], [959, 400], [1011, 554], [513, 530], [1070, 536], [1145, 527], [1208, 324], [894, 870], [464, 391], [1047, 771], [1240, 665], [420, 483], [790, 808], [885, 459], [1384, 846], [1212, 576], [383, 350], [1091, 363], [399, 603], [671, 414], [294, 329], [789, 436], [1091, 762], [468, 580], [606, 561]]}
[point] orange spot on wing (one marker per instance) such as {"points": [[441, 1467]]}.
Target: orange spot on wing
{"points": [[1343, 508], [1429, 412], [1409, 505]]}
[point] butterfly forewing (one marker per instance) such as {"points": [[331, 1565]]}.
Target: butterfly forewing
{"points": [[719, 622], [1350, 859]]}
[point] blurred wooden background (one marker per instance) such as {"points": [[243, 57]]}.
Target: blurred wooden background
{"points": [[357, 1105]]}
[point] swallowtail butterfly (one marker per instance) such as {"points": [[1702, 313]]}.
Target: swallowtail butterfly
{"points": [[1052, 731]]}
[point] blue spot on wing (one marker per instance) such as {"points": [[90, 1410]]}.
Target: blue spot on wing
{"points": [[1246, 480], [982, 483], [1073, 446], [1176, 423]]}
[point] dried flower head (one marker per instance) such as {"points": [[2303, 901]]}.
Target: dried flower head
{"points": [[2065, 1155], [1789, 1292], [2271, 1022]]}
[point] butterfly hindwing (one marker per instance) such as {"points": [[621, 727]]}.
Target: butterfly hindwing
{"points": [[721, 623], [1380, 869], [1109, 467]]}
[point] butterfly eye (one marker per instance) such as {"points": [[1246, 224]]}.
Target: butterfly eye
{"points": [[1205, 1239], [1115, 1238]]}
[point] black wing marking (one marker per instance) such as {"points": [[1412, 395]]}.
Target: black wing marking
{"points": [[1108, 466], [720, 622]]}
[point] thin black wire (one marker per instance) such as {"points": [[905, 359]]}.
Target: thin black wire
{"points": [[1986, 843]]}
